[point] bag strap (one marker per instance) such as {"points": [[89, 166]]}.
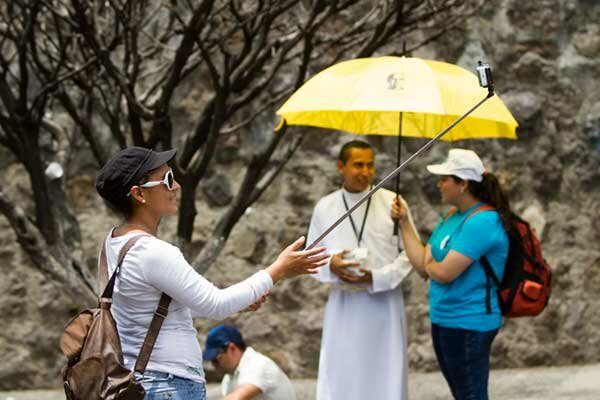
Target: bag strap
{"points": [[157, 320], [103, 267], [449, 213], [483, 207], [490, 275], [162, 310]]}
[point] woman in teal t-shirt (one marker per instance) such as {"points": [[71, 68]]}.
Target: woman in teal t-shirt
{"points": [[463, 321]]}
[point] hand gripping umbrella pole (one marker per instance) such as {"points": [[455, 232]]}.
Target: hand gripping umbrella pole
{"points": [[401, 167]]}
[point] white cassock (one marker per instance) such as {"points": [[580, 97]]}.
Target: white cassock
{"points": [[363, 349]]}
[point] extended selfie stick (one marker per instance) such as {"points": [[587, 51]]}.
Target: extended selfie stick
{"points": [[484, 73]]}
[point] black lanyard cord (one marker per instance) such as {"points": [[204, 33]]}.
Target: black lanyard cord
{"points": [[364, 222]]}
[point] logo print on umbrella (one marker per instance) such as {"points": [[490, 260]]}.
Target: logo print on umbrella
{"points": [[395, 81]]}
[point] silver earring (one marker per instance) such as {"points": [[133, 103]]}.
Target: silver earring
{"points": [[144, 201]]}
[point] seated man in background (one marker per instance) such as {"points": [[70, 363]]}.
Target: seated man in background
{"points": [[248, 374]]}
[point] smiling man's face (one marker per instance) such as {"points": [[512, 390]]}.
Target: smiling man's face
{"points": [[358, 170]]}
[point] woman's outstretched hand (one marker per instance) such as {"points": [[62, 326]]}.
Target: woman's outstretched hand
{"points": [[292, 261]]}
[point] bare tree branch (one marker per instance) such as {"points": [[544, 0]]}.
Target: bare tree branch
{"points": [[88, 33], [176, 73], [162, 125]]}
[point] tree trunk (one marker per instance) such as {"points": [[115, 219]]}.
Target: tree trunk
{"points": [[54, 262], [44, 216], [209, 253], [187, 211]]}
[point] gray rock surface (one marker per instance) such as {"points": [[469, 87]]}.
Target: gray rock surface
{"points": [[217, 190]]}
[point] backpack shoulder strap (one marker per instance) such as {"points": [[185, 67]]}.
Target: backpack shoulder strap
{"points": [[484, 207], [489, 275], [103, 266], [449, 214], [157, 320]]}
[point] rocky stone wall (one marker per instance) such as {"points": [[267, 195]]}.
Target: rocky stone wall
{"points": [[546, 60]]}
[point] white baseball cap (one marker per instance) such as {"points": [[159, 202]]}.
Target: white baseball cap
{"points": [[465, 164]]}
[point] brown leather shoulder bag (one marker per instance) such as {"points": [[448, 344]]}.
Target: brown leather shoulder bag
{"points": [[95, 369]]}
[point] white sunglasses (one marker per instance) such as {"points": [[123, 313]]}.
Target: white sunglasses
{"points": [[168, 181]]}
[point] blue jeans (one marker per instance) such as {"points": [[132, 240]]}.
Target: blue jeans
{"points": [[163, 386], [464, 358]]}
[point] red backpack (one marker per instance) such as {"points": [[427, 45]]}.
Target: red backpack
{"points": [[527, 281]]}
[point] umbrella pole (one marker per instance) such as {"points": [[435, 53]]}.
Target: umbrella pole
{"points": [[398, 158], [395, 172]]}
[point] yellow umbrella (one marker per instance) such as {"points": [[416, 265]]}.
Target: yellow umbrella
{"points": [[397, 96]]}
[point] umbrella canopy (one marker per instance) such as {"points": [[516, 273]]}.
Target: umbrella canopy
{"points": [[371, 95]]}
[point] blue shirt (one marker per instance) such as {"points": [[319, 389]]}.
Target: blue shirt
{"points": [[461, 303]]}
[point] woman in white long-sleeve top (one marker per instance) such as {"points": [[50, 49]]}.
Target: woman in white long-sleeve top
{"points": [[139, 184]]}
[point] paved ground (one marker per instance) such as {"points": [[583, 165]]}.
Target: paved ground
{"points": [[550, 383]]}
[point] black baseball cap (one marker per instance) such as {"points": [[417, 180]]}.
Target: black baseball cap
{"points": [[126, 169]]}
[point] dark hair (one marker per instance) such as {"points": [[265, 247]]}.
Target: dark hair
{"points": [[353, 144], [124, 205], [240, 345], [490, 192]]}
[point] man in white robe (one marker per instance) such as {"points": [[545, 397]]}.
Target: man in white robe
{"points": [[363, 348]]}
